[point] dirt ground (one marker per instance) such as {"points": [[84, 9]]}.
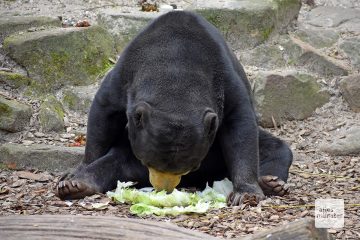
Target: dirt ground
{"points": [[313, 175]]}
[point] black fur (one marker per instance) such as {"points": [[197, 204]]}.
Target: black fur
{"points": [[178, 100]]}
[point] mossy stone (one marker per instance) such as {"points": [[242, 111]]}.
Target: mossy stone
{"points": [[10, 25], [351, 47], [14, 80], [78, 99], [244, 23], [44, 157], [51, 115], [318, 38], [248, 23], [124, 26], [70, 100], [350, 90], [14, 116], [65, 56], [279, 53], [287, 96]]}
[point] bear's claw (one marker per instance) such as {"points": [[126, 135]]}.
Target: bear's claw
{"points": [[272, 185], [73, 189], [236, 199]]}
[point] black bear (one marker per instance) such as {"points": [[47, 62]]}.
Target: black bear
{"points": [[177, 109]]}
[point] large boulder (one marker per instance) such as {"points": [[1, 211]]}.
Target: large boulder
{"points": [[321, 64], [10, 25], [350, 89], [244, 23], [341, 3], [317, 62], [318, 38], [286, 95], [62, 56], [278, 53], [43, 157], [341, 19], [291, 51], [124, 25], [14, 116], [247, 23]]}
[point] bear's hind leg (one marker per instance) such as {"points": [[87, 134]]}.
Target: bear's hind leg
{"points": [[275, 160]]}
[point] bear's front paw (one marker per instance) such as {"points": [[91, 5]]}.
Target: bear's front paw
{"points": [[248, 198], [73, 189]]}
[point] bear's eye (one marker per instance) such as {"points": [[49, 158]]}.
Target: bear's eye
{"points": [[138, 119], [141, 114], [211, 123], [212, 127]]}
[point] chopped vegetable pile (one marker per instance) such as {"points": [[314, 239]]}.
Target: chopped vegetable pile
{"points": [[178, 202]]}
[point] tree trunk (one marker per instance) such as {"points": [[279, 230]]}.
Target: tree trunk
{"points": [[302, 229], [57, 227]]}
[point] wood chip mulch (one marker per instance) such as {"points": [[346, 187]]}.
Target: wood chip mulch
{"points": [[30, 192]]}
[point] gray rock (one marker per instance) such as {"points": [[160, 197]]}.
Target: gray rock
{"points": [[351, 26], [321, 64], [339, 3], [248, 23], [286, 95], [51, 115], [318, 62], [14, 116], [124, 25], [243, 23], [288, 51], [43, 157], [334, 17], [279, 53], [350, 145], [9, 25], [351, 47], [64, 56], [78, 99], [350, 89], [318, 38]]}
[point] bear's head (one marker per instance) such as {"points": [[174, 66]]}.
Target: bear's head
{"points": [[170, 144]]}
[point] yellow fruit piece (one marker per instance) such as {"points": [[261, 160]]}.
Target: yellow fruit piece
{"points": [[164, 181]]}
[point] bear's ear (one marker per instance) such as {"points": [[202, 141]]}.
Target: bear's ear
{"points": [[141, 114], [211, 123]]}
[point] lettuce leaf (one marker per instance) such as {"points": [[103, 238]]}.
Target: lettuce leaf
{"points": [[141, 209], [161, 203]]}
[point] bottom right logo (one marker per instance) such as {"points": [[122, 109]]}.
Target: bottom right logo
{"points": [[329, 213]]}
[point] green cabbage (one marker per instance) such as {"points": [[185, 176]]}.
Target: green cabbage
{"points": [[161, 203]]}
